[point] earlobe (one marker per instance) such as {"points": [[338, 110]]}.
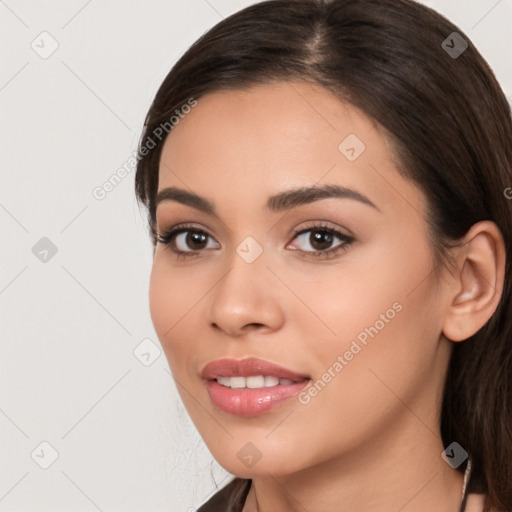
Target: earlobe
{"points": [[478, 281]]}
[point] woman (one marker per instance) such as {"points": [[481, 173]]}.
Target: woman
{"points": [[328, 190]]}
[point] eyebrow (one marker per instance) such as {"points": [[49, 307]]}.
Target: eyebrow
{"points": [[277, 203]]}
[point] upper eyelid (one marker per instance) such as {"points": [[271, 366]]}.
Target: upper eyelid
{"points": [[314, 225], [319, 223], [182, 226]]}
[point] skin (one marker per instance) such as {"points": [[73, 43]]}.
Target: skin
{"points": [[370, 440]]}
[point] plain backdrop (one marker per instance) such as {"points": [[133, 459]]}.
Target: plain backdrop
{"points": [[89, 415]]}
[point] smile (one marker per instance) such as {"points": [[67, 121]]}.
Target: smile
{"points": [[251, 386]]}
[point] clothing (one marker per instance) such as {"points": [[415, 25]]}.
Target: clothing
{"points": [[231, 498]]}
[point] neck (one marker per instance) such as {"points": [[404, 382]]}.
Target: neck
{"points": [[396, 473]]}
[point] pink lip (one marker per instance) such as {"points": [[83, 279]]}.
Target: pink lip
{"points": [[250, 402], [246, 368]]}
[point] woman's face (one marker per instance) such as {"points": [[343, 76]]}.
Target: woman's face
{"points": [[354, 312]]}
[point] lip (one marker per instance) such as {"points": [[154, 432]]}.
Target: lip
{"points": [[246, 368], [245, 401]]}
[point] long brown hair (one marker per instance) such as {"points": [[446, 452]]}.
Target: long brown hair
{"points": [[451, 128]]}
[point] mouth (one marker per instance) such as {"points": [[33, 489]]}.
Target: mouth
{"points": [[249, 387], [254, 381]]}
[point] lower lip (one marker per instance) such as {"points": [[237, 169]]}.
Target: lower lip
{"points": [[251, 402]]}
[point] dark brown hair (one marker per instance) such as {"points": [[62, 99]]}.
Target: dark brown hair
{"points": [[451, 129]]}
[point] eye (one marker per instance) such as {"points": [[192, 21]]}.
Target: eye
{"points": [[318, 241], [187, 241]]}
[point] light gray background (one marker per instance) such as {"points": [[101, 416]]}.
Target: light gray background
{"points": [[68, 373]]}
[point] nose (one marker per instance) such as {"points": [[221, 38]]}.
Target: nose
{"points": [[246, 299]]}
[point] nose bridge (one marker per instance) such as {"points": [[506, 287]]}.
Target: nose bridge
{"points": [[244, 296], [246, 275]]}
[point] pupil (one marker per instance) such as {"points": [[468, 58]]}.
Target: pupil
{"points": [[321, 238], [197, 239]]}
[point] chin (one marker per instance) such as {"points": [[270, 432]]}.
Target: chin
{"points": [[247, 465]]}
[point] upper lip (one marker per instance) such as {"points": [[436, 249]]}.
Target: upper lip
{"points": [[246, 368]]}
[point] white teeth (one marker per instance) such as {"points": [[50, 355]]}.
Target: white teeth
{"points": [[237, 382], [225, 381], [270, 381], [253, 381]]}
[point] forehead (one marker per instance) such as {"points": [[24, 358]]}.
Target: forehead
{"points": [[260, 140], [278, 121]]}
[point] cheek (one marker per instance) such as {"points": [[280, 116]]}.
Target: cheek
{"points": [[364, 290], [162, 302], [383, 320], [171, 301], [364, 395]]}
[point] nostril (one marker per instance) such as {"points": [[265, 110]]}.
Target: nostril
{"points": [[238, 331], [253, 326]]}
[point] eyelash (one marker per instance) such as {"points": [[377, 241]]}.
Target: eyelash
{"points": [[168, 238]]}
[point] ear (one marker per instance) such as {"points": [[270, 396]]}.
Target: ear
{"points": [[478, 281]]}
